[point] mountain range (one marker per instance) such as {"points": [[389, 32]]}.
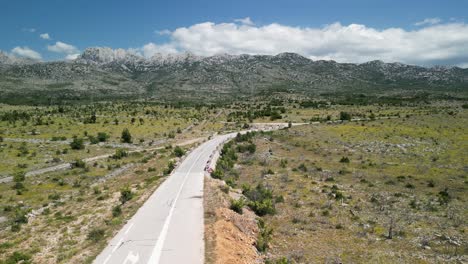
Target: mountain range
{"points": [[104, 73]]}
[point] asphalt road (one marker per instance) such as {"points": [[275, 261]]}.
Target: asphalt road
{"points": [[169, 227]]}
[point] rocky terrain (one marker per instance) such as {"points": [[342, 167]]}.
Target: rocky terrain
{"points": [[101, 73]]}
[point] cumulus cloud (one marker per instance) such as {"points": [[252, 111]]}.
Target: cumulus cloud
{"points": [[245, 21], [44, 36], [60, 47], [428, 21], [432, 44], [72, 56], [151, 49], [26, 53]]}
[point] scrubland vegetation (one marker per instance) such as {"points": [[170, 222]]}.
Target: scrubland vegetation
{"points": [[113, 157], [391, 185], [358, 183]]}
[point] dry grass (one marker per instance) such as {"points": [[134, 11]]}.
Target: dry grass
{"points": [[339, 211]]}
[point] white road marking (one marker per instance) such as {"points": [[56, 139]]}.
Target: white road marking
{"points": [[128, 229], [157, 250], [107, 259], [117, 245], [132, 259]]}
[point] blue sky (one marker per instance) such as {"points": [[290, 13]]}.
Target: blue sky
{"points": [[134, 24]]}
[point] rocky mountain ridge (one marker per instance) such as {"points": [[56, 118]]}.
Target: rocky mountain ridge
{"points": [[104, 72]]}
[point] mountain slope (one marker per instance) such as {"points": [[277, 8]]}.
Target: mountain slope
{"points": [[102, 73]]}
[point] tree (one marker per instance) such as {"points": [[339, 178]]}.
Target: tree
{"points": [[102, 136], [178, 151], [91, 119], [344, 160], [345, 116], [77, 143], [126, 195], [120, 153], [126, 136], [19, 178]]}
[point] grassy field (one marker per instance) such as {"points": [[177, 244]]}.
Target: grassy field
{"points": [[382, 191], [37, 137], [66, 216], [391, 186]]}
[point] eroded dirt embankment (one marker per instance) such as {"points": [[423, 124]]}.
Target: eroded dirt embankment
{"points": [[229, 237]]}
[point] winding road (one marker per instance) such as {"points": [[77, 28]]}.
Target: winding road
{"points": [[169, 227]]}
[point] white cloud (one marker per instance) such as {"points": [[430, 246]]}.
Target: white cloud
{"points": [[30, 30], [44, 36], [151, 49], [463, 65], [428, 21], [27, 53], [433, 44], [72, 56], [245, 21], [61, 47], [163, 32]]}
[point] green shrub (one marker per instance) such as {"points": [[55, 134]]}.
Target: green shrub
{"points": [[102, 136], [54, 196], [178, 151], [344, 160], [119, 154], [125, 195], [18, 257], [217, 174], [444, 197], [263, 207], [237, 205], [116, 211], [345, 116], [18, 179], [79, 164], [282, 260], [126, 136], [264, 236], [170, 168], [77, 143], [302, 167], [20, 217], [261, 199], [93, 139], [96, 234]]}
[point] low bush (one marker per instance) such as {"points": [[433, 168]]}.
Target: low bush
{"points": [[125, 195], [170, 168], [96, 234], [237, 205], [116, 211], [264, 236], [77, 143], [79, 164], [18, 257], [178, 151], [102, 136], [120, 153], [344, 160], [261, 199]]}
